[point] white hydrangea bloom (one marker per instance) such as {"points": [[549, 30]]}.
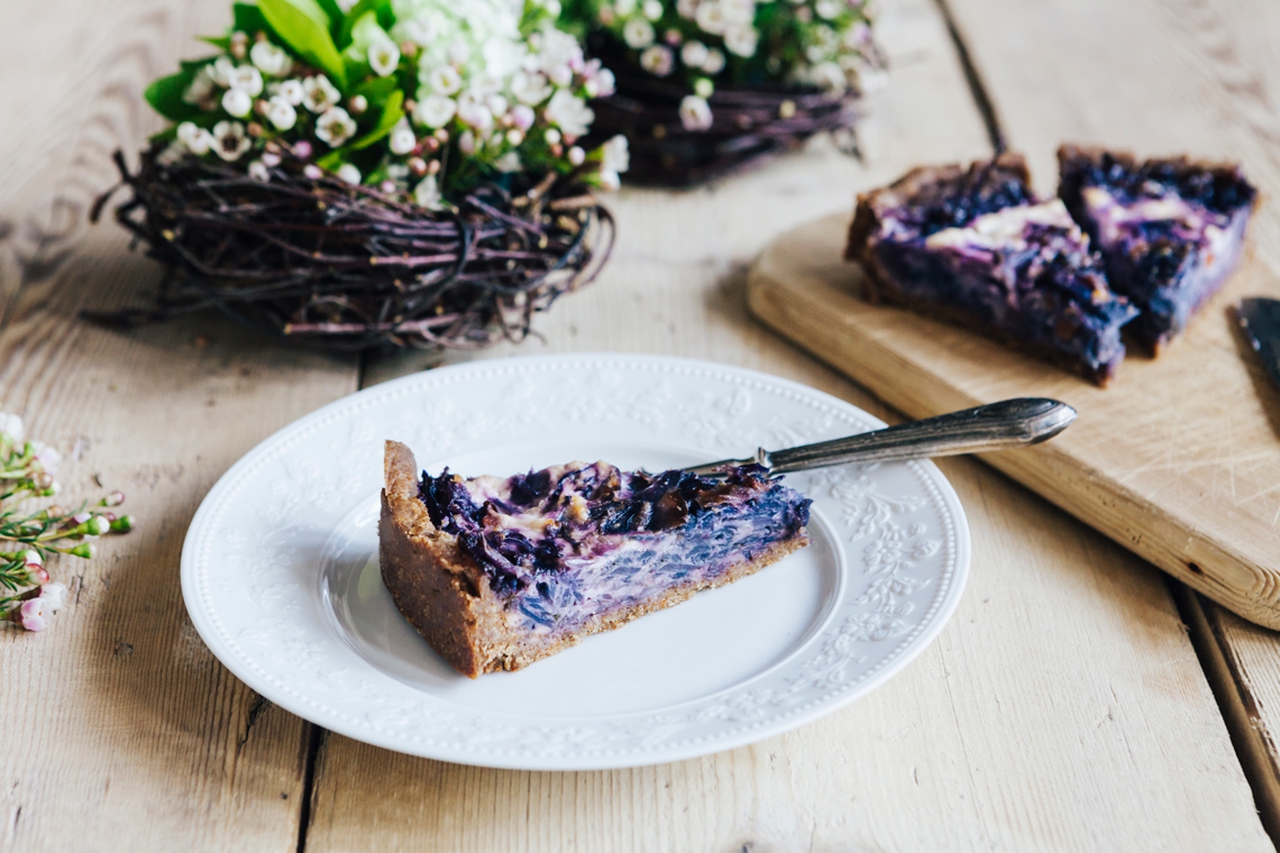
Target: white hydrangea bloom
{"points": [[530, 87], [335, 127], [570, 113], [434, 111]]}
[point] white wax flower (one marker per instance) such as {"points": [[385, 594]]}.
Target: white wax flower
{"points": [[230, 140], [11, 425], [570, 113], [292, 91], [281, 113], [576, 156], [652, 9], [687, 8], [319, 94], [714, 63], [434, 111], [427, 193], [741, 40], [509, 163], [247, 79], [189, 135], [445, 80], [523, 117], [221, 70], [201, 88], [467, 143], [638, 33], [258, 171], [384, 57], [335, 127], [530, 88], [828, 9], [693, 53], [695, 114], [54, 595], [738, 11], [402, 140], [657, 59], [270, 59], [615, 155], [710, 17], [829, 76], [474, 112], [237, 102], [349, 173]]}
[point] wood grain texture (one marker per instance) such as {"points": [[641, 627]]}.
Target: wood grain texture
{"points": [[122, 732], [1063, 707], [1197, 75], [1176, 458]]}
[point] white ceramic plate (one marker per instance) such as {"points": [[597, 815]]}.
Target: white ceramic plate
{"points": [[280, 568]]}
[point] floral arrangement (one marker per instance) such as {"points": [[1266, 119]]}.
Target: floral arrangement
{"points": [[30, 536], [431, 112], [715, 54]]}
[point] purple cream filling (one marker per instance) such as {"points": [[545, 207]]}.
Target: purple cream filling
{"points": [[572, 542]]}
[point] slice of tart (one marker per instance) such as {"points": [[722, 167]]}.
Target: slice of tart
{"points": [[1171, 230], [497, 573], [974, 246]]}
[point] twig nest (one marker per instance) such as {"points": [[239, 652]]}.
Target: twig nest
{"points": [[350, 267]]}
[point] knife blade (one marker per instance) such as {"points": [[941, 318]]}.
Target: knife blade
{"points": [[1260, 319]]}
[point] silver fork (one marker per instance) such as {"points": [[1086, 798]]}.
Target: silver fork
{"points": [[996, 426]]}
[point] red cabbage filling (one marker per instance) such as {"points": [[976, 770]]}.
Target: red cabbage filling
{"points": [[571, 542]]}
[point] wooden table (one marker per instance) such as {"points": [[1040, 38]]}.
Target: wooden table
{"points": [[1077, 700]]}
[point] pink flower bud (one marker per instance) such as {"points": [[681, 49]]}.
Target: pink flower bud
{"points": [[34, 614], [302, 149], [312, 172], [522, 116], [80, 518], [114, 499], [33, 559], [37, 575]]}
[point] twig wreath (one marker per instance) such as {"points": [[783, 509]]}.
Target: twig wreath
{"points": [[708, 87], [377, 173]]}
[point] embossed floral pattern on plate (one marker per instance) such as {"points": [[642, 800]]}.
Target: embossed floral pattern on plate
{"points": [[280, 578]]}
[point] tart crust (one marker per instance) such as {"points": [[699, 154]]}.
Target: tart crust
{"points": [[447, 597]]}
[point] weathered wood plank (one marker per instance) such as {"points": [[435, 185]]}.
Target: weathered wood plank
{"points": [[1063, 708], [122, 731], [1202, 77]]}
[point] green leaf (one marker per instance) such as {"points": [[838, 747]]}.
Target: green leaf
{"points": [[377, 90], [332, 11], [392, 112], [303, 25], [220, 42], [382, 9], [248, 19], [165, 95], [331, 161]]}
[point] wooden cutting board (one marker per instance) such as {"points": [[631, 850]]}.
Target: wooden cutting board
{"points": [[1178, 459]]}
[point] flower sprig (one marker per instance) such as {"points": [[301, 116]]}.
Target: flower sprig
{"points": [[30, 536], [420, 98], [708, 43]]}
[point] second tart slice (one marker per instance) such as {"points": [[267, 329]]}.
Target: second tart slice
{"points": [[975, 246]]}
